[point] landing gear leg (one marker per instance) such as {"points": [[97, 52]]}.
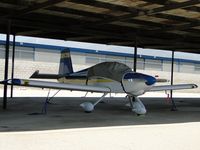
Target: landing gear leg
{"points": [[171, 100], [174, 108], [47, 101], [85, 94], [89, 107]]}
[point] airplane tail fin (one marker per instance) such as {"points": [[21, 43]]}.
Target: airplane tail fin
{"points": [[65, 63], [64, 69]]}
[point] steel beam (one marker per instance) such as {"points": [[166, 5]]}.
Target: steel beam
{"points": [[13, 65], [172, 82], [174, 6], [33, 8], [92, 32], [135, 56], [6, 64], [137, 12]]}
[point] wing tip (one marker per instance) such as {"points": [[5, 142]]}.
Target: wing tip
{"points": [[35, 74], [195, 86]]}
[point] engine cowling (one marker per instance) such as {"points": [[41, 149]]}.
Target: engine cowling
{"points": [[137, 83]]}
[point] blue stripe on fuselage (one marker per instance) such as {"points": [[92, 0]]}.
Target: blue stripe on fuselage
{"points": [[149, 79], [16, 81]]}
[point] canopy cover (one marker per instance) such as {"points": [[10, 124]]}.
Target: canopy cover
{"points": [[110, 70]]}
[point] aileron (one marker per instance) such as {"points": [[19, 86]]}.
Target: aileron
{"points": [[173, 87]]}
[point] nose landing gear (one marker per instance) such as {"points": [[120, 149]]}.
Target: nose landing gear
{"points": [[136, 105]]}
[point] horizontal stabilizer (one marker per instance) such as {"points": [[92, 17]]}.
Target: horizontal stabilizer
{"points": [[173, 87], [56, 85], [161, 80], [37, 75]]}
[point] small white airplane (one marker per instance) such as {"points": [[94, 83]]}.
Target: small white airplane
{"points": [[106, 77]]}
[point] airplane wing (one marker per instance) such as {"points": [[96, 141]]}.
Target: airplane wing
{"points": [[173, 87], [56, 85]]}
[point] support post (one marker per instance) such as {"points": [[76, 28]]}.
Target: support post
{"points": [[6, 64], [172, 82], [13, 66], [135, 56]]}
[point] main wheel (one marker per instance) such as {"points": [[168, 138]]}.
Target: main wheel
{"points": [[87, 106]]}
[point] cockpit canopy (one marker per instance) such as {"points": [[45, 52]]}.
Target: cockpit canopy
{"points": [[110, 70]]}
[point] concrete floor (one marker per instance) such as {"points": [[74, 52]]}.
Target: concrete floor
{"points": [[111, 126], [23, 114]]}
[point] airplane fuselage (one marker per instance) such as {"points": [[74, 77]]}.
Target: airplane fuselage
{"points": [[130, 85]]}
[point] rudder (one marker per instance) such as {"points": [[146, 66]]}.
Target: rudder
{"points": [[65, 63]]}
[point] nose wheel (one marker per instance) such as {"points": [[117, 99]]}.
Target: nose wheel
{"points": [[137, 106]]}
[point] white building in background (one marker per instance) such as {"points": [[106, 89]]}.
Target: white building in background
{"points": [[36, 50], [43, 54]]}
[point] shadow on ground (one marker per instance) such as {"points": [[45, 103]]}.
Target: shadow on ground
{"points": [[23, 114]]}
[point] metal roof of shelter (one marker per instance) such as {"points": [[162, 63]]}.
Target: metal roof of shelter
{"points": [[166, 24]]}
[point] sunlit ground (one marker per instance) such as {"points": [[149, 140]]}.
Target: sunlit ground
{"points": [[112, 126]]}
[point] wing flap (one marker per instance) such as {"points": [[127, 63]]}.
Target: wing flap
{"points": [[56, 85], [173, 87]]}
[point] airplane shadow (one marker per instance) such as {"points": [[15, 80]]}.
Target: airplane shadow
{"points": [[24, 113]]}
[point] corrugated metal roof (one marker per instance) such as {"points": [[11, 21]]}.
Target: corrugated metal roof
{"points": [[168, 24]]}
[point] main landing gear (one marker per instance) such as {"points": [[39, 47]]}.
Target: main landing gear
{"points": [[89, 107]]}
